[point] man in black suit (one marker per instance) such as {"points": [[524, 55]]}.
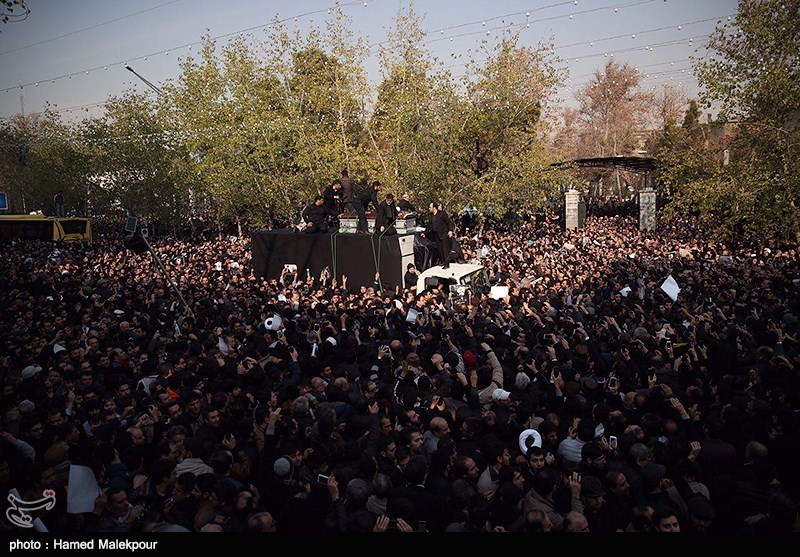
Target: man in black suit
{"points": [[405, 204], [387, 216], [333, 198], [442, 227], [315, 216], [361, 202]]}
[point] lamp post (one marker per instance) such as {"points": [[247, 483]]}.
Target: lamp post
{"points": [[153, 87]]}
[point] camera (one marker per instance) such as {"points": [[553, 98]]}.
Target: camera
{"points": [[612, 382], [323, 479], [612, 442]]}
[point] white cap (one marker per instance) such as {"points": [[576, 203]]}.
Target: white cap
{"points": [[30, 371], [273, 323], [523, 438], [500, 394]]}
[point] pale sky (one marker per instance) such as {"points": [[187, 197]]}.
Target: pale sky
{"points": [[76, 50]]}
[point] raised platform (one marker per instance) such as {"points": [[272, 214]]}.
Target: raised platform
{"points": [[358, 256]]}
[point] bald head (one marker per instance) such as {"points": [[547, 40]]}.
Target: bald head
{"points": [[575, 522], [439, 427], [261, 522], [757, 451]]}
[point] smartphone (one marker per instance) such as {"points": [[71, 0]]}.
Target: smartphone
{"points": [[612, 442], [316, 326], [321, 478], [612, 382], [668, 344]]}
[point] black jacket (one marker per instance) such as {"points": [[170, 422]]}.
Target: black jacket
{"points": [[406, 206], [387, 215], [315, 214], [366, 196], [333, 200], [440, 224]]}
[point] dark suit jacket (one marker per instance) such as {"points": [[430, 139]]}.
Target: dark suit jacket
{"points": [[387, 215], [441, 224]]}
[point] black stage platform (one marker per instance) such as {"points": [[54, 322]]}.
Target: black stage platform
{"points": [[359, 256]]}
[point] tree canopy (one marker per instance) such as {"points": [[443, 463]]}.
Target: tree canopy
{"points": [[252, 128]]}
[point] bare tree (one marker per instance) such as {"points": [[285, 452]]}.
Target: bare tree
{"points": [[612, 111], [669, 104]]}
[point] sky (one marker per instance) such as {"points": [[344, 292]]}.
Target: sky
{"points": [[71, 55]]}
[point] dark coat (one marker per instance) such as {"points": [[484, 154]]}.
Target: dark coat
{"points": [[333, 200], [366, 196], [348, 189], [440, 224], [387, 215], [315, 214]]}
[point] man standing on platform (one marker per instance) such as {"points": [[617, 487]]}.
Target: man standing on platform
{"points": [[387, 216], [361, 202], [333, 198], [315, 216], [442, 227], [405, 204], [58, 200], [348, 191]]}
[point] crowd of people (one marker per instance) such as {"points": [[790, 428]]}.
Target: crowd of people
{"points": [[585, 400]]}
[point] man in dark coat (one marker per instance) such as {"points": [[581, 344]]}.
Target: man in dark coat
{"points": [[387, 216], [315, 216], [405, 204], [441, 226], [333, 198], [348, 191], [361, 202]]}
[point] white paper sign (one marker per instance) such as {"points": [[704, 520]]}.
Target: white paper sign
{"points": [[223, 346], [671, 288], [625, 291], [412, 315], [498, 292], [82, 490], [398, 304]]}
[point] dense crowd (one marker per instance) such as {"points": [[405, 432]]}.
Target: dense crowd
{"points": [[584, 400]]}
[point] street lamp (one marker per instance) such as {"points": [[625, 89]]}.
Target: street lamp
{"points": [[153, 87]]}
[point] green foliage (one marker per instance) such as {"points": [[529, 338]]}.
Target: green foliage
{"points": [[253, 127], [753, 75], [40, 156], [136, 161], [512, 89]]}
